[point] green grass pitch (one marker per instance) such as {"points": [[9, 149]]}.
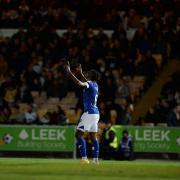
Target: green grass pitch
{"points": [[60, 169]]}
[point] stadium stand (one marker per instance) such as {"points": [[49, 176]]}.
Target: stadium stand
{"points": [[130, 59], [167, 109]]}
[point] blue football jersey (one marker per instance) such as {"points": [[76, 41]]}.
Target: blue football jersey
{"points": [[90, 95]]}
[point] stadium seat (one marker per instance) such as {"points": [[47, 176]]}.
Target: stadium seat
{"points": [[148, 124], [35, 94], [42, 112], [71, 115], [22, 107], [113, 116], [162, 124]]}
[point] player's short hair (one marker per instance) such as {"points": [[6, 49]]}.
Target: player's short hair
{"points": [[94, 75]]}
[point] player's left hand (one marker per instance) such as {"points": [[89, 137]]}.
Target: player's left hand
{"points": [[67, 67]]}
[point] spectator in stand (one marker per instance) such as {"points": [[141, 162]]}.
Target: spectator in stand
{"points": [[123, 89], [109, 143], [173, 118], [10, 94], [45, 119], [113, 106], [36, 85], [3, 102], [23, 8], [151, 116], [147, 66], [30, 116], [126, 115], [3, 65], [177, 95], [4, 115], [59, 117], [3, 118], [110, 89], [126, 147], [24, 93], [162, 110], [16, 117], [103, 112]]}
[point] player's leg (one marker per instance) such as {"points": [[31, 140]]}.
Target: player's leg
{"points": [[95, 147], [81, 128], [93, 134], [81, 144]]}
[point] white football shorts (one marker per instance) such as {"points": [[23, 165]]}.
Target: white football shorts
{"points": [[88, 122]]}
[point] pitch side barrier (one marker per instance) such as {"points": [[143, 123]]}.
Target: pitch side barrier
{"points": [[152, 139], [37, 139], [41, 140]]}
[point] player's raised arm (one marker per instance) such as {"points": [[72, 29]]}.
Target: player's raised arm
{"points": [[79, 70], [74, 78]]}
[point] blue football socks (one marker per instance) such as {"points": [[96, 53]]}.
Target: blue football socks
{"points": [[82, 147], [95, 149]]}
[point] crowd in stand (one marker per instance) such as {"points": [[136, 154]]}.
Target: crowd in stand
{"points": [[33, 59], [63, 13], [167, 109]]}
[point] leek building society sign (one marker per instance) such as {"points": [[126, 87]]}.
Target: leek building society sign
{"points": [[37, 138], [153, 139]]}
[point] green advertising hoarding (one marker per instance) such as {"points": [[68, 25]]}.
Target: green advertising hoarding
{"points": [[153, 139], [37, 138]]}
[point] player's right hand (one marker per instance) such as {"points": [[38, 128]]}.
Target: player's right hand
{"points": [[79, 69]]}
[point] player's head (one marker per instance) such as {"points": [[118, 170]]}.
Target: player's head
{"points": [[93, 75]]}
